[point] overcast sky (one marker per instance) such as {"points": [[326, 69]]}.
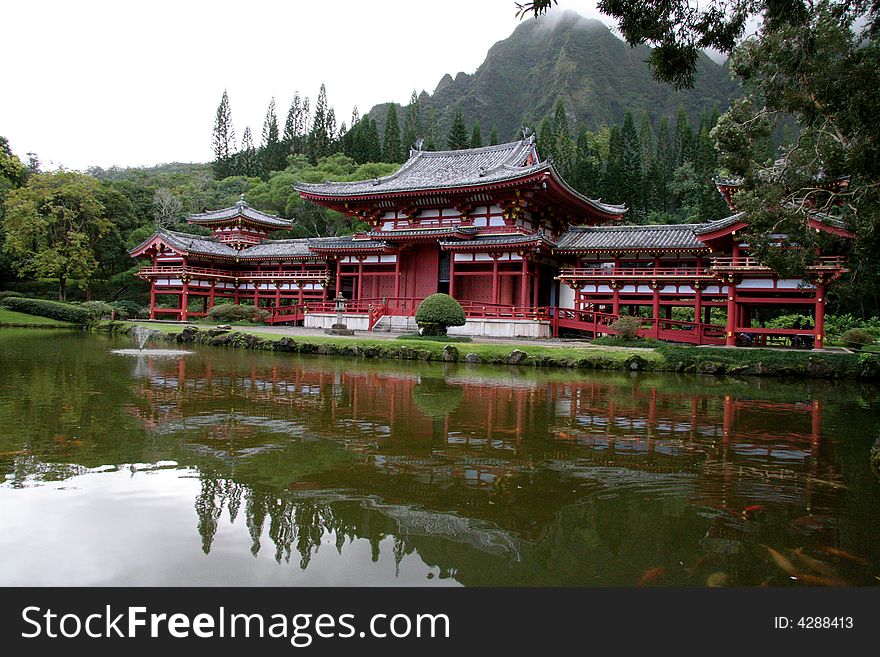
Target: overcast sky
{"points": [[118, 83]]}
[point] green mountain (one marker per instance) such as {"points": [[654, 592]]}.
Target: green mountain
{"points": [[564, 55]]}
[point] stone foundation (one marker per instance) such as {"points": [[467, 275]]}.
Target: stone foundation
{"points": [[490, 328]]}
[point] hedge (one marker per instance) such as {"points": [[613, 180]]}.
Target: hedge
{"points": [[63, 312]]}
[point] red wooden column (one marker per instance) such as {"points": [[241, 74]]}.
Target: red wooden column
{"points": [[451, 274], [256, 294], [184, 300], [698, 310], [524, 283], [211, 294], [153, 299], [397, 275], [656, 310], [494, 279], [235, 298], [615, 298], [820, 316], [338, 276], [536, 284], [278, 294], [360, 283], [731, 314]]}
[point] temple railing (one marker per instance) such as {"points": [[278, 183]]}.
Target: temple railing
{"points": [[751, 263], [634, 272], [253, 275]]}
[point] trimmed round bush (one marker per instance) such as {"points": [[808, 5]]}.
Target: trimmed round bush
{"points": [[626, 327], [857, 338], [5, 294], [230, 312], [437, 313], [63, 312]]}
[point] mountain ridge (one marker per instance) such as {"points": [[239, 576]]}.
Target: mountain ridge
{"points": [[579, 60]]}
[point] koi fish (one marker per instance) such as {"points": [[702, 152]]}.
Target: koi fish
{"points": [[652, 574], [782, 561], [752, 509], [837, 552], [813, 564], [812, 580], [717, 579]]}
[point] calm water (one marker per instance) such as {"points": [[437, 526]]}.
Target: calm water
{"points": [[234, 467]]}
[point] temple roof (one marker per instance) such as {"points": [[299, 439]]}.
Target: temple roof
{"points": [[346, 243], [443, 169], [210, 246], [471, 167], [271, 249], [629, 238], [504, 239], [240, 209]]}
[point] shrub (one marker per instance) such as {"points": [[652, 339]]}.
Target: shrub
{"points": [[791, 322], [97, 309], [857, 338], [63, 312], [626, 327], [437, 313], [5, 294], [230, 312], [129, 310]]}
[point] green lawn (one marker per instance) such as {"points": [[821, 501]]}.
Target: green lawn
{"points": [[12, 318]]}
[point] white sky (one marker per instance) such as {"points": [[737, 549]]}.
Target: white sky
{"points": [[104, 83]]}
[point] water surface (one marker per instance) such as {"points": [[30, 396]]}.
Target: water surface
{"points": [[228, 467]]}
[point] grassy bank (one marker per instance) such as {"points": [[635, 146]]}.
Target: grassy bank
{"points": [[666, 358], [13, 318]]}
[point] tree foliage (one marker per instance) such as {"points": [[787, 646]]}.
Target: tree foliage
{"points": [[52, 227]]}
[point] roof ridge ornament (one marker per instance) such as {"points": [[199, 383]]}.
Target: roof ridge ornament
{"points": [[526, 132], [241, 202]]}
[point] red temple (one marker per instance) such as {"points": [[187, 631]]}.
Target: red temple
{"points": [[498, 229]]}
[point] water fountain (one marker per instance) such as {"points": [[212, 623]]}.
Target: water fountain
{"points": [[141, 335]]}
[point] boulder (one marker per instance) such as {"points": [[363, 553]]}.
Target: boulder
{"points": [[517, 357], [472, 359], [450, 354]]}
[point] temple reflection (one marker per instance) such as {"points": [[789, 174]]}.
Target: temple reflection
{"points": [[493, 463]]}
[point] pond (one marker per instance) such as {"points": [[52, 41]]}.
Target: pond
{"points": [[232, 467]]}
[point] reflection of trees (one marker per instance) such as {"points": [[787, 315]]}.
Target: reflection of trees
{"points": [[436, 398]]}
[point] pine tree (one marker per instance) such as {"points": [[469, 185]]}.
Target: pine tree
{"points": [[493, 136], [562, 149], [546, 138], [432, 132], [665, 165], [612, 178], [632, 167], [223, 140], [296, 125], [457, 138], [372, 146], [684, 139], [412, 123], [247, 164], [391, 138], [272, 156], [586, 173], [319, 139], [476, 136]]}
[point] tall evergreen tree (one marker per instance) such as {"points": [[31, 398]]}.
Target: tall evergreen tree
{"points": [[632, 167], [412, 123], [391, 151], [493, 136], [272, 155], [684, 139], [613, 176], [320, 138], [457, 138], [476, 136], [664, 159], [247, 164], [223, 139], [432, 131]]}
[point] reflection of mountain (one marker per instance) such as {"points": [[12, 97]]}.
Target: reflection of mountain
{"points": [[496, 478]]}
